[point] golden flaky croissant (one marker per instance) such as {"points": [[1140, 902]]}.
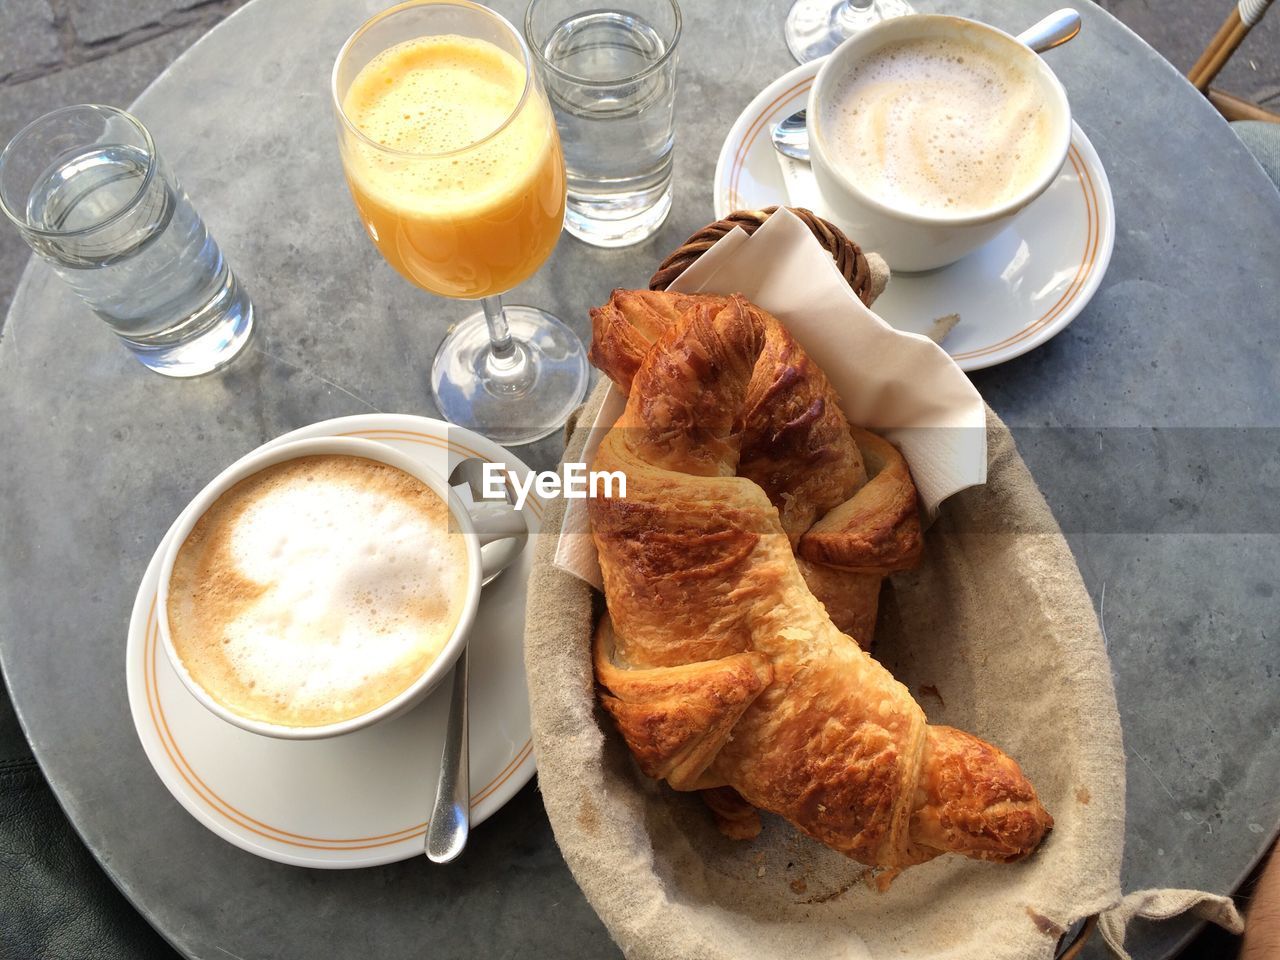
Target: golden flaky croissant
{"points": [[723, 671], [799, 448]]}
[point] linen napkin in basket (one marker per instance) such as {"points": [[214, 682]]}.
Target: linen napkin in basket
{"points": [[995, 628]]}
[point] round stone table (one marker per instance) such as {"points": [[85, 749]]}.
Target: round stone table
{"points": [[1150, 424]]}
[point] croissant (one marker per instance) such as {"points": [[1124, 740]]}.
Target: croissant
{"points": [[796, 446], [721, 669]]}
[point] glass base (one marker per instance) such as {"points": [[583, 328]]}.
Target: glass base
{"points": [[219, 340], [611, 225], [816, 27], [516, 399]]}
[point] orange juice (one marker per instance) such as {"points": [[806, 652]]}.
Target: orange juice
{"points": [[456, 207]]}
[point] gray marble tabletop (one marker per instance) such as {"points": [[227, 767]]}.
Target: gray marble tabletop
{"points": [[1151, 423]]}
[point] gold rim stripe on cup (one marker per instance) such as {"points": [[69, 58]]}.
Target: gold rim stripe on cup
{"points": [[1087, 189], [753, 131], [243, 820], [1093, 234], [177, 758]]}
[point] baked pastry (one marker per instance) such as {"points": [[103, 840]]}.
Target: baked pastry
{"points": [[721, 669], [844, 495]]}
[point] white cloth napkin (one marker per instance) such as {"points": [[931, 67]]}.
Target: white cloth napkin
{"points": [[900, 384]]}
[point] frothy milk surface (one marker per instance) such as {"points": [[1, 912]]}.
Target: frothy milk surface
{"points": [[939, 126], [317, 589]]}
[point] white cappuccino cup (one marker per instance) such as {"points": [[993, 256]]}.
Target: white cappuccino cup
{"points": [[320, 586], [929, 133]]}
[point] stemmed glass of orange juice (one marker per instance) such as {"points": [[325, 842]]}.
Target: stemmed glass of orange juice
{"points": [[451, 153]]}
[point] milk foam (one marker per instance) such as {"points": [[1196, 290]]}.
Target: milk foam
{"points": [[317, 590], [939, 126]]}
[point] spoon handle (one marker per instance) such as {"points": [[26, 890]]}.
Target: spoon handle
{"points": [[451, 816], [1057, 28]]}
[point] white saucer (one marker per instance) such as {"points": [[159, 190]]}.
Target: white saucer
{"points": [[1012, 295], [361, 799]]}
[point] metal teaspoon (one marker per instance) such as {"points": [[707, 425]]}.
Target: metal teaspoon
{"points": [[450, 822]]}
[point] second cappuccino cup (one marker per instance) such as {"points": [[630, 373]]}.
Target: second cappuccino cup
{"points": [[929, 133], [319, 586]]}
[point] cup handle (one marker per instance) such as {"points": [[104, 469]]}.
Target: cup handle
{"points": [[502, 532]]}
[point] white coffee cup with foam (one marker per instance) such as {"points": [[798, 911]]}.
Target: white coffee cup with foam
{"points": [[320, 586], [929, 133]]}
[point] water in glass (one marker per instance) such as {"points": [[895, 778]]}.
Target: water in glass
{"points": [[153, 273], [616, 121]]}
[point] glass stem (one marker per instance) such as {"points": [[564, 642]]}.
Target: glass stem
{"points": [[499, 333], [853, 16]]}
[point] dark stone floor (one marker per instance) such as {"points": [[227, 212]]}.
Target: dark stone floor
{"points": [[57, 52]]}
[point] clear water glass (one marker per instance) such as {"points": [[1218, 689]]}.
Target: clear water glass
{"points": [[610, 72], [816, 27], [90, 194]]}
